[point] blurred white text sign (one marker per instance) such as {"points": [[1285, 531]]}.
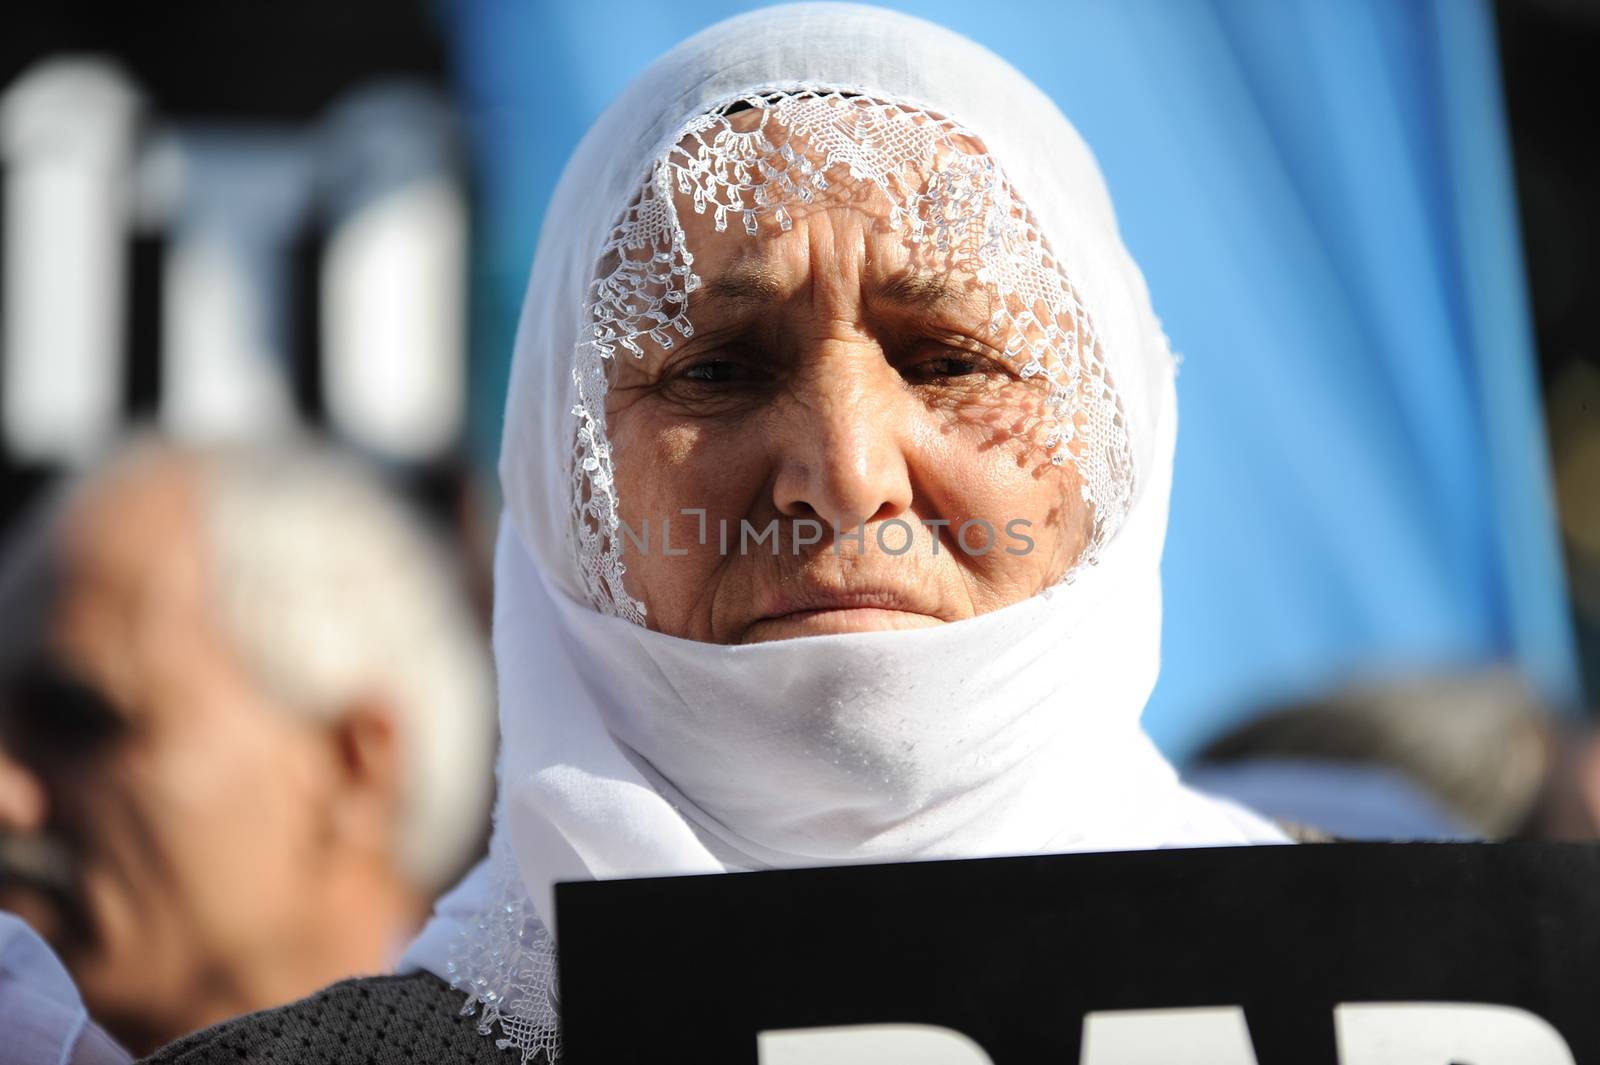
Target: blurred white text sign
{"points": [[1370, 1033]]}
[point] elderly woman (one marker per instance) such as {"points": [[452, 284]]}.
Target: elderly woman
{"points": [[836, 468]]}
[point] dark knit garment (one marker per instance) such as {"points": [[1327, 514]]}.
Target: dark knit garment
{"points": [[377, 1020]]}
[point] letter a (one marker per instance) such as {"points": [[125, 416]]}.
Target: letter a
{"points": [[1206, 1035], [869, 1044]]}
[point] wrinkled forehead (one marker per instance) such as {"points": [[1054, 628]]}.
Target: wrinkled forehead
{"points": [[756, 164], [922, 198], [757, 167]]}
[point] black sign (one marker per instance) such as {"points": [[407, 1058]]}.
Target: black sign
{"points": [[1356, 954]]}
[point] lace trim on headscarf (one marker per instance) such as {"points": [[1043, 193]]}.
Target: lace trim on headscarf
{"points": [[506, 962]]}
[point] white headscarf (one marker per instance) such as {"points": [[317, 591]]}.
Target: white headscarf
{"points": [[627, 752]]}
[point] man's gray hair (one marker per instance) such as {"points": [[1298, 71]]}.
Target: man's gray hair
{"points": [[332, 590]]}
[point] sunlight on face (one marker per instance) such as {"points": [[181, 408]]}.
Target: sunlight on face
{"points": [[847, 392]]}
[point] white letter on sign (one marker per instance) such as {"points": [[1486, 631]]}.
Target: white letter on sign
{"points": [[1209, 1035], [1442, 1033], [869, 1044]]}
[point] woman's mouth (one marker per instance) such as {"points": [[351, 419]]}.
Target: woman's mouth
{"points": [[819, 612]]}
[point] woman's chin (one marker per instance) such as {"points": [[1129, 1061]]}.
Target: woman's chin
{"points": [[834, 622]]}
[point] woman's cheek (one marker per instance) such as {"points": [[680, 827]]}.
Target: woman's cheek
{"points": [[1032, 521]]}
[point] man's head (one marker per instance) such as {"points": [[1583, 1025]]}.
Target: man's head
{"points": [[245, 731]]}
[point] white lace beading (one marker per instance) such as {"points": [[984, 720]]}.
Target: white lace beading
{"points": [[946, 195], [506, 963]]}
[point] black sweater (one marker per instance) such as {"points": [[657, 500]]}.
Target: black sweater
{"points": [[377, 1020]]}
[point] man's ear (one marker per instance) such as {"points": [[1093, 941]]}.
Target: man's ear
{"points": [[368, 759]]}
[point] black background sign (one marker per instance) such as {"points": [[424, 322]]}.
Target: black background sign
{"points": [[1013, 952]]}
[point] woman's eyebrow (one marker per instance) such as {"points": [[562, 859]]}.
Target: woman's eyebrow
{"points": [[929, 292], [747, 284], [740, 283]]}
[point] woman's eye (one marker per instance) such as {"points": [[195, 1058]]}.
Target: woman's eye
{"points": [[717, 385], [950, 366], [713, 371], [942, 363]]}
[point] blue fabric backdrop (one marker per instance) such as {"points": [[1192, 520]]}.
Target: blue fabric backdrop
{"points": [[1319, 192]]}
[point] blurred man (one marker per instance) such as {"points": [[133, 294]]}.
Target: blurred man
{"points": [[1465, 755], [246, 732]]}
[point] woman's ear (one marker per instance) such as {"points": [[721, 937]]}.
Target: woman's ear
{"points": [[368, 762]]}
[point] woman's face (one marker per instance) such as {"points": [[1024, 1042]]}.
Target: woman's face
{"points": [[840, 447]]}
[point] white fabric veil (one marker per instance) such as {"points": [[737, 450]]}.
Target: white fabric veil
{"points": [[626, 752]]}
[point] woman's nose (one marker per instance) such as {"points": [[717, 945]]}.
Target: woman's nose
{"points": [[841, 442]]}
